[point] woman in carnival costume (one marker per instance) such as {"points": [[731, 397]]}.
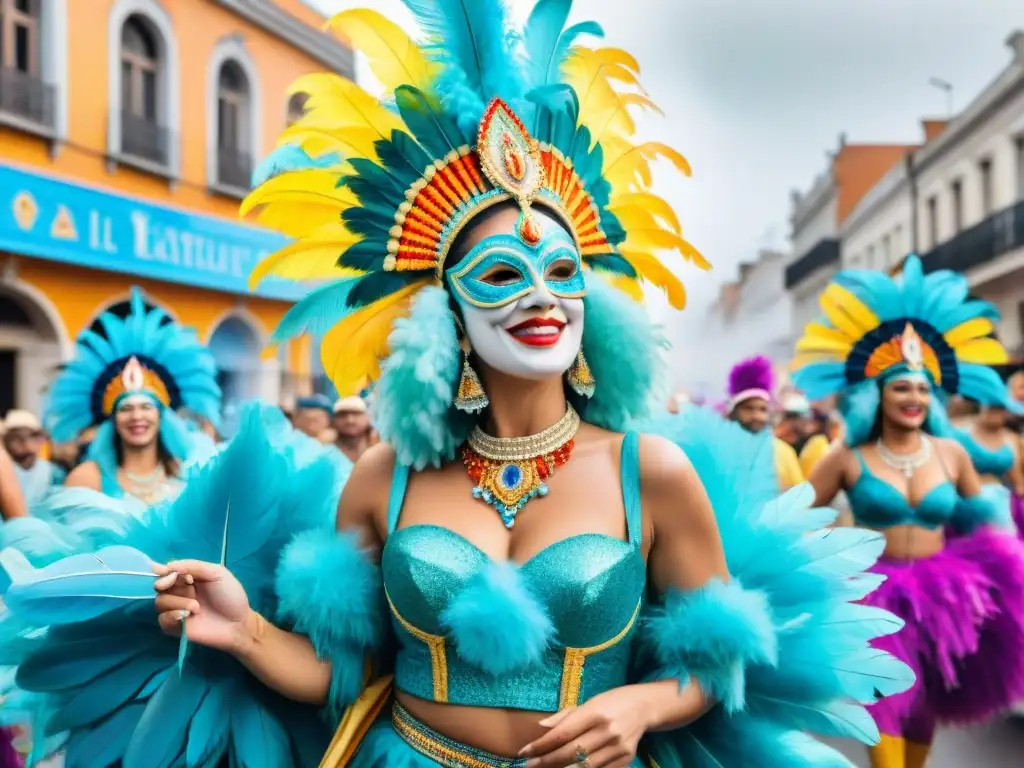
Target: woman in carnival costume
{"points": [[517, 579], [128, 382], [751, 388], [890, 349], [994, 450]]}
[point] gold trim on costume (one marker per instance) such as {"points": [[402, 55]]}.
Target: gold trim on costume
{"points": [[438, 656], [575, 658]]}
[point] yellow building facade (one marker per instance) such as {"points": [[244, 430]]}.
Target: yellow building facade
{"points": [[129, 130]]}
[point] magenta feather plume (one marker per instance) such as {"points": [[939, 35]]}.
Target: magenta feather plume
{"points": [[752, 373]]}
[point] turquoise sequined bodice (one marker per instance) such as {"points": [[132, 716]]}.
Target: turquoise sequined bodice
{"points": [[877, 504], [590, 586], [986, 460]]}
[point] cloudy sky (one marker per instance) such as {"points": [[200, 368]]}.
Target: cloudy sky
{"points": [[755, 92]]}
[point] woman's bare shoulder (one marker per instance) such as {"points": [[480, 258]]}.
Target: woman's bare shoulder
{"points": [[86, 475]]}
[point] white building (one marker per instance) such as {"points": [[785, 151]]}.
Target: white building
{"points": [[751, 316], [958, 201]]}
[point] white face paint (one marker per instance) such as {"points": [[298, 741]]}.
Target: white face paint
{"points": [[522, 306], [536, 337]]}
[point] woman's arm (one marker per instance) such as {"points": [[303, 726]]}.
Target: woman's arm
{"points": [[219, 616], [966, 479], [686, 555], [85, 475], [12, 502], [829, 475]]}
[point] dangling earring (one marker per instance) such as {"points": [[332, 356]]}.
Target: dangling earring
{"points": [[470, 396], [580, 377]]}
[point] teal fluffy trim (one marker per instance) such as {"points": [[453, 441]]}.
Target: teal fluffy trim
{"points": [[990, 507], [711, 635], [825, 669], [332, 592], [625, 352], [495, 623], [412, 403]]}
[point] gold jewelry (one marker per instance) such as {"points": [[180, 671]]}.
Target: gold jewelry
{"points": [[580, 377], [470, 396], [511, 471], [582, 757]]}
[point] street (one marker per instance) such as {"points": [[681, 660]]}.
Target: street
{"points": [[996, 745]]}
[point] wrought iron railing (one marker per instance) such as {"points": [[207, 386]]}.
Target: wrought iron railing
{"points": [[999, 233], [234, 168], [27, 97], [145, 138]]}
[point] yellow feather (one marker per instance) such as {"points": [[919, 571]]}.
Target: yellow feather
{"points": [[336, 104], [662, 239], [639, 100], [807, 358], [602, 108], [313, 257], [348, 142], [846, 312], [293, 219], [314, 185], [655, 272], [822, 331], [648, 202], [605, 57], [631, 169], [629, 286], [976, 328], [352, 350], [982, 352], [837, 348], [393, 57]]}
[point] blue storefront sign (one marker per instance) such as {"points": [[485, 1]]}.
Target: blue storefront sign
{"points": [[52, 219]]}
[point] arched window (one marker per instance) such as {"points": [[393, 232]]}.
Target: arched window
{"points": [[141, 132], [19, 36], [297, 107], [234, 164]]}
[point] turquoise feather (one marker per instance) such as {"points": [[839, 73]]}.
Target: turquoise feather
{"points": [[436, 132], [377, 285], [83, 587], [321, 309], [541, 37]]}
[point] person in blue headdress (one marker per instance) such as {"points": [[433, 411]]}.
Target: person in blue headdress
{"points": [[128, 382], [892, 349]]}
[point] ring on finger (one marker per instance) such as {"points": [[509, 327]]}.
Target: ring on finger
{"points": [[582, 757]]}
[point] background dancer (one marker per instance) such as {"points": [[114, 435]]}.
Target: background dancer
{"points": [[751, 391], [890, 349], [129, 384], [24, 439], [994, 450]]}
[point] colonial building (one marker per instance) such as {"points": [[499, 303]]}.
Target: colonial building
{"points": [[958, 201], [818, 217], [128, 134]]}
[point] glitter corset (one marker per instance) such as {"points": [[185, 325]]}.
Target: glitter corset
{"points": [[591, 587]]}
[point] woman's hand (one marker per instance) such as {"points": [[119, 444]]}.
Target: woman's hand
{"points": [[606, 731], [210, 600]]}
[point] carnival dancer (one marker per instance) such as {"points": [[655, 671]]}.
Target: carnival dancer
{"points": [[994, 450], [751, 388], [546, 587], [890, 349], [128, 383]]}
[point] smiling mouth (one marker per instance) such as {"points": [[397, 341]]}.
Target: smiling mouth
{"points": [[912, 411], [138, 429], [537, 331]]}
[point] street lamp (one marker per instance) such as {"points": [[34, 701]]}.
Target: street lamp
{"points": [[944, 85]]}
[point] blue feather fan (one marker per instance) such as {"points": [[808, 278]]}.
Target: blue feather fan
{"points": [[104, 681]]}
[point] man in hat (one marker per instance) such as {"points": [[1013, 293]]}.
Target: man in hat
{"points": [[313, 415], [351, 422], [24, 439], [751, 383]]}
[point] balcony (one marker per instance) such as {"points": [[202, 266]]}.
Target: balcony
{"points": [[26, 101], [999, 233], [234, 171], [824, 254], [143, 138]]}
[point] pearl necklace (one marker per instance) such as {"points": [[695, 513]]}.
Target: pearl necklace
{"points": [[907, 463], [510, 471]]}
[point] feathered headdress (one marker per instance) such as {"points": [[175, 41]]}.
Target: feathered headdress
{"points": [[144, 353], [876, 328], [474, 115], [753, 377]]}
